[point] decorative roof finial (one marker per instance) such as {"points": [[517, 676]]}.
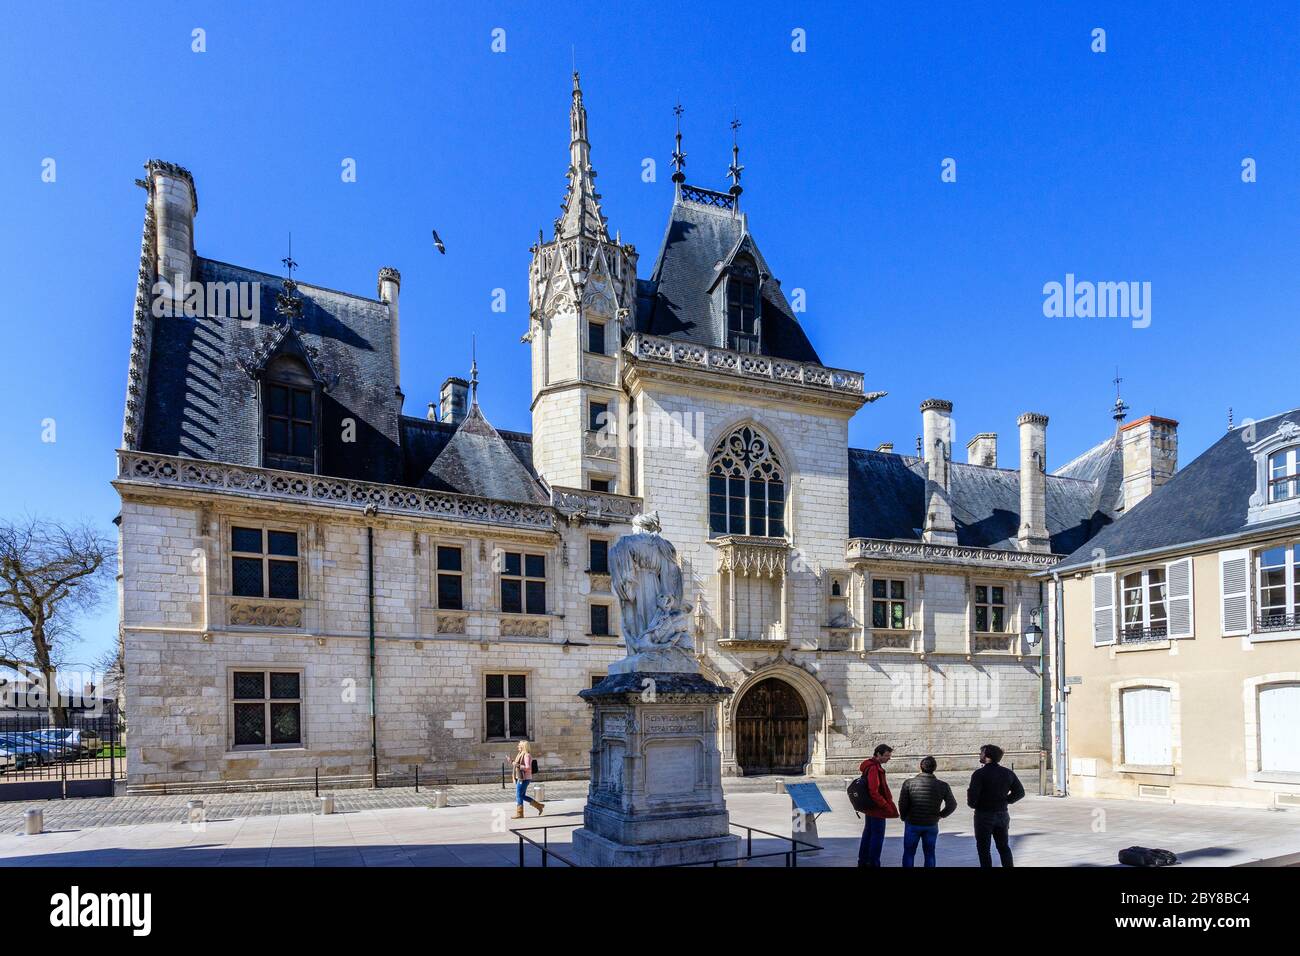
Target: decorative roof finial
{"points": [[1229, 418], [735, 169], [473, 369], [1119, 411], [288, 303], [679, 158]]}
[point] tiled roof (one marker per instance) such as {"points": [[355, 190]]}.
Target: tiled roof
{"points": [[887, 500], [675, 302], [1206, 500], [472, 459]]}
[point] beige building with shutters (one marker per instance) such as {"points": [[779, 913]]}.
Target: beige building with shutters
{"points": [[1180, 631]]}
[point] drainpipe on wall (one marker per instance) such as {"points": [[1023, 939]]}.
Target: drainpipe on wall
{"points": [[371, 512], [1060, 755]]}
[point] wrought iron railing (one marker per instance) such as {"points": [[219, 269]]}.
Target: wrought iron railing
{"points": [[790, 855], [1143, 635], [1277, 622]]}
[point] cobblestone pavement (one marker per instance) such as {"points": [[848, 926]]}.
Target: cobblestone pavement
{"points": [[132, 810]]}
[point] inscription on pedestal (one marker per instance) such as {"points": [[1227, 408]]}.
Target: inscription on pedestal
{"points": [[665, 724], [672, 767]]}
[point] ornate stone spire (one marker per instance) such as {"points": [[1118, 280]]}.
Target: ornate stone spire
{"points": [[581, 215]]}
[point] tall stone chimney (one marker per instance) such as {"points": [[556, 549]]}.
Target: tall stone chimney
{"points": [[1033, 483], [1150, 447], [390, 284], [454, 400], [983, 450], [175, 204], [936, 449]]}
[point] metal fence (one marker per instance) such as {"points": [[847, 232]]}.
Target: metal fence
{"points": [[70, 752]]}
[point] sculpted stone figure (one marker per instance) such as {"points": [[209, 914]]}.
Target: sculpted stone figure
{"points": [[647, 581]]}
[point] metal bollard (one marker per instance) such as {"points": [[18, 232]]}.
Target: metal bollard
{"points": [[439, 800], [539, 792], [326, 803], [194, 812], [779, 785], [33, 821]]}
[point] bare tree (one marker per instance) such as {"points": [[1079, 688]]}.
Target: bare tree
{"points": [[50, 574]]}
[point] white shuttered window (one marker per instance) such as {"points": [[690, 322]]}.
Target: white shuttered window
{"points": [[1103, 609], [1182, 606], [1148, 732], [1234, 591]]}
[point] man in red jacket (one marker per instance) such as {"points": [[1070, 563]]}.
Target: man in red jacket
{"points": [[882, 806]]}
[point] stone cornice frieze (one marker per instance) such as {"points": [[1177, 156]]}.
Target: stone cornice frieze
{"points": [[577, 504], [865, 549], [267, 484]]}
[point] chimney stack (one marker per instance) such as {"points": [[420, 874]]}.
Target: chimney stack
{"points": [[432, 414], [454, 400], [983, 450], [936, 449], [175, 203], [1033, 483], [1150, 447], [390, 284]]}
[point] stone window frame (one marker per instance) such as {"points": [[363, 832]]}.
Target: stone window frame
{"points": [[463, 545], [1010, 604], [484, 701], [609, 619], [233, 749], [223, 592], [609, 414], [1122, 604], [1117, 688], [291, 372], [604, 337], [264, 557], [1262, 507], [1292, 579], [609, 541], [499, 576], [909, 589], [1250, 691], [782, 465]]}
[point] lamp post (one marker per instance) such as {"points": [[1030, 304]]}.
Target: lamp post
{"points": [[1033, 636]]}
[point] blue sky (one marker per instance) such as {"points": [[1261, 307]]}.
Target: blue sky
{"points": [[1115, 166]]}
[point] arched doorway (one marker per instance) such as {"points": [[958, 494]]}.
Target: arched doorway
{"points": [[771, 729]]}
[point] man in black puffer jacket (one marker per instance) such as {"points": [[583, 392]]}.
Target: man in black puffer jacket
{"points": [[992, 788], [923, 802]]}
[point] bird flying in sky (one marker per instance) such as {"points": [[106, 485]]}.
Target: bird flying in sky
{"points": [[438, 242]]}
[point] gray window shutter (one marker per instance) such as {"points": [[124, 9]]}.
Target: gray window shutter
{"points": [[1182, 606], [1234, 591], [1103, 609]]}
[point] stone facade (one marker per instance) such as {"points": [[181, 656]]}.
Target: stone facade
{"points": [[892, 637]]}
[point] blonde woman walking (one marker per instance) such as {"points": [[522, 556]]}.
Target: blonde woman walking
{"points": [[523, 767]]}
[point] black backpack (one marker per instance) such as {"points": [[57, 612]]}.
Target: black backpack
{"points": [[859, 796], [1145, 856], [534, 767]]}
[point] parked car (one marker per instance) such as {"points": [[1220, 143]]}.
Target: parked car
{"points": [[8, 760], [27, 751], [80, 741]]}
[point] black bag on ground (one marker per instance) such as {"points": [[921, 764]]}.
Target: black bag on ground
{"points": [[859, 796], [1146, 856]]}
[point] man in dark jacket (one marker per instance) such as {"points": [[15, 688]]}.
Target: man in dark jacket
{"points": [[922, 803], [882, 806], [992, 788]]}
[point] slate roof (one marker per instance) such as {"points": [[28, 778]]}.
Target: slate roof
{"points": [[201, 399], [887, 500], [1206, 500], [471, 459], [675, 301]]}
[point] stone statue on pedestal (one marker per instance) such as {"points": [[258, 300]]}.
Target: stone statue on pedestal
{"points": [[648, 584], [655, 797]]}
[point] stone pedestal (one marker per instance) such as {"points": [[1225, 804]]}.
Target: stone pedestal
{"points": [[655, 797]]}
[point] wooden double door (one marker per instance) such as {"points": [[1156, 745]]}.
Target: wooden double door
{"points": [[771, 729]]}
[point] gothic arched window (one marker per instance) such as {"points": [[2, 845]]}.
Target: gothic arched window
{"points": [[742, 308], [288, 416], [746, 486]]}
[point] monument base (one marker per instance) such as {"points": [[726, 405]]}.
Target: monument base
{"points": [[655, 797]]}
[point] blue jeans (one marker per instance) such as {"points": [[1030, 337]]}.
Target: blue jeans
{"points": [[521, 792], [873, 841], [927, 837]]}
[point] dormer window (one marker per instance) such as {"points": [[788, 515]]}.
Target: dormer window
{"points": [[289, 417], [1283, 480], [1277, 475], [742, 308]]}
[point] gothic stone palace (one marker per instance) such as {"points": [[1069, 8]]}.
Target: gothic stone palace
{"points": [[295, 550]]}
